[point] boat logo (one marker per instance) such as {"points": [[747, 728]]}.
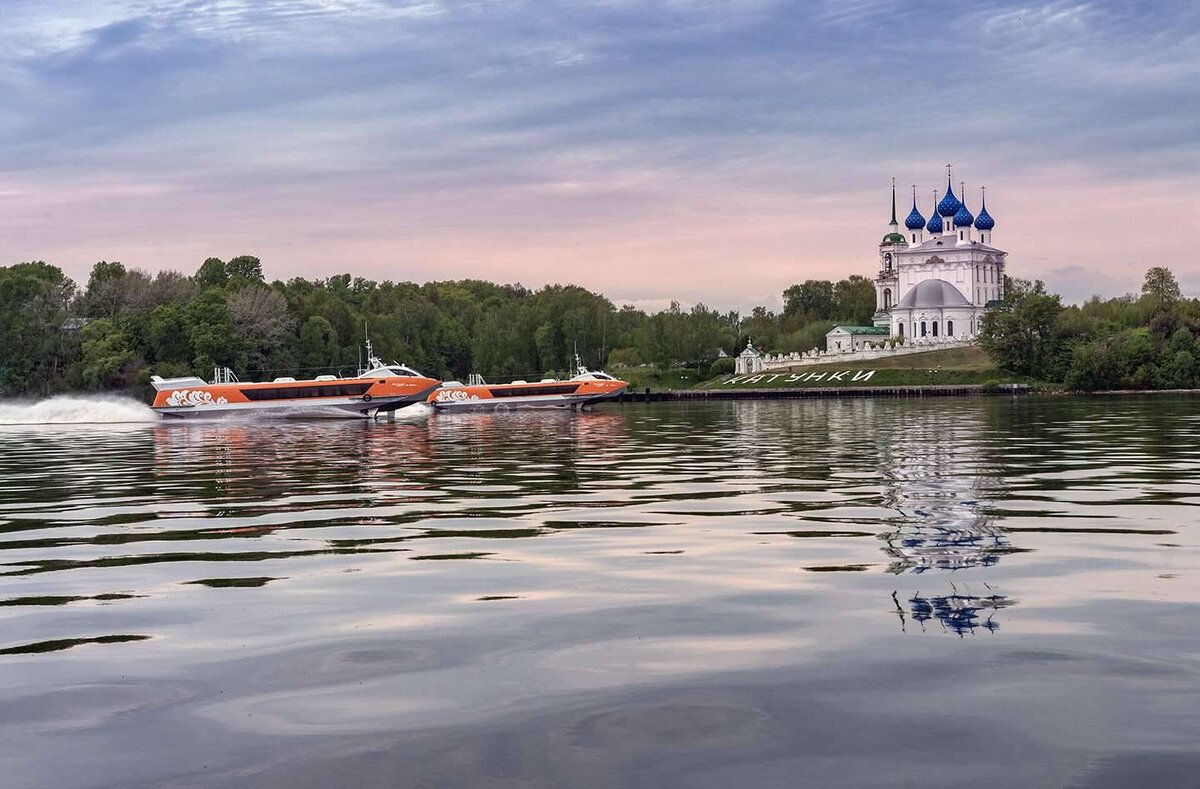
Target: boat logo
{"points": [[182, 397], [454, 395]]}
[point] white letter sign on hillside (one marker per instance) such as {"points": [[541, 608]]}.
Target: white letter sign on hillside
{"points": [[840, 375]]}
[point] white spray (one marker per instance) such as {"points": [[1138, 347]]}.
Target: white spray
{"points": [[75, 409]]}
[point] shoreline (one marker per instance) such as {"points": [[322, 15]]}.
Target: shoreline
{"points": [[826, 392], [854, 392]]}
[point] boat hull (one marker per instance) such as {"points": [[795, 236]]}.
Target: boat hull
{"points": [[291, 401], [521, 397]]}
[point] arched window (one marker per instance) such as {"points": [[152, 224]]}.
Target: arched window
{"points": [[949, 328], [900, 326], [887, 261], [887, 298], [922, 328], [935, 328]]}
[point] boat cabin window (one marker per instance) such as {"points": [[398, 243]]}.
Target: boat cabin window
{"points": [[391, 370]]}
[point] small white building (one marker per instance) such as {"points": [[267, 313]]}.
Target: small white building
{"points": [[844, 339], [748, 361]]}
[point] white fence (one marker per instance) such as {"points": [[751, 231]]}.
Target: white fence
{"points": [[757, 364]]}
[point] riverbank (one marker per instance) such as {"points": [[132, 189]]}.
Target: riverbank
{"points": [[826, 392]]}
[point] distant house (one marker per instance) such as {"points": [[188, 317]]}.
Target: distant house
{"points": [[843, 339]]}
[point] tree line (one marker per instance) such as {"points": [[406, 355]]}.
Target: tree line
{"points": [[1146, 341], [125, 324]]}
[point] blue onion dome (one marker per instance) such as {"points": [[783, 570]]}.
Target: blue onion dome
{"points": [[949, 205], [914, 221], [984, 221], [963, 217], [935, 224]]}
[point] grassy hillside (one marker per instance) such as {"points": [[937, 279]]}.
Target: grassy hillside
{"points": [[944, 367], [641, 378]]}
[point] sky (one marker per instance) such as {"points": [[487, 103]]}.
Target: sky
{"points": [[710, 151]]}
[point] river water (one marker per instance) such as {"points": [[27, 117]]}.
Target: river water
{"points": [[983, 592]]}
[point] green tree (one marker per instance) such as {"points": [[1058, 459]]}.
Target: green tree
{"points": [[210, 331], [261, 321], [1161, 288], [211, 274], [167, 331], [108, 360], [244, 269], [34, 298], [1021, 335], [854, 300], [318, 344], [810, 300]]}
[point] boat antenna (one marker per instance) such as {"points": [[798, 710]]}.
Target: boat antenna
{"points": [[579, 368]]}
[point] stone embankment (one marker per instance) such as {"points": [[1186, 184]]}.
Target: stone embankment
{"points": [[826, 392]]}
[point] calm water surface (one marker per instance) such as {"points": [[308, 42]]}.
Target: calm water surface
{"points": [[979, 592]]}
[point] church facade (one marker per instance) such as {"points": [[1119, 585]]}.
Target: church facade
{"points": [[937, 277]]}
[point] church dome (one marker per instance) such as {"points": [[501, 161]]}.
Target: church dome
{"points": [[893, 238], [933, 293], [914, 221], [963, 217], [935, 224], [984, 221], [949, 205]]}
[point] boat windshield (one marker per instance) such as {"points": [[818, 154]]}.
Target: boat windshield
{"points": [[391, 371]]}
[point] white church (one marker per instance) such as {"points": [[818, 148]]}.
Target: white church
{"points": [[935, 281], [937, 278]]}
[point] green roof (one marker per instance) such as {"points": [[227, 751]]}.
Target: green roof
{"points": [[893, 238], [881, 330]]}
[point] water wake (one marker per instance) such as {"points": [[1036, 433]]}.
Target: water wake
{"points": [[77, 410]]}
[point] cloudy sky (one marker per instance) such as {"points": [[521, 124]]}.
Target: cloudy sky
{"points": [[703, 150]]}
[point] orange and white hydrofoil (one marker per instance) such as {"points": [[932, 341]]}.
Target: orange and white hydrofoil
{"points": [[378, 389], [583, 389]]}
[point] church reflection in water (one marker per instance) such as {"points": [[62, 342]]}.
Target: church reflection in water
{"points": [[938, 480], [961, 613]]}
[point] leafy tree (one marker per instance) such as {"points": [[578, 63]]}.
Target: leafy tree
{"points": [[624, 357], [210, 331], [1021, 335], [34, 298], [171, 287], [211, 274], [108, 360], [1161, 288], [244, 269], [853, 300], [261, 321], [723, 366], [105, 291], [167, 331], [318, 344], [811, 299]]}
